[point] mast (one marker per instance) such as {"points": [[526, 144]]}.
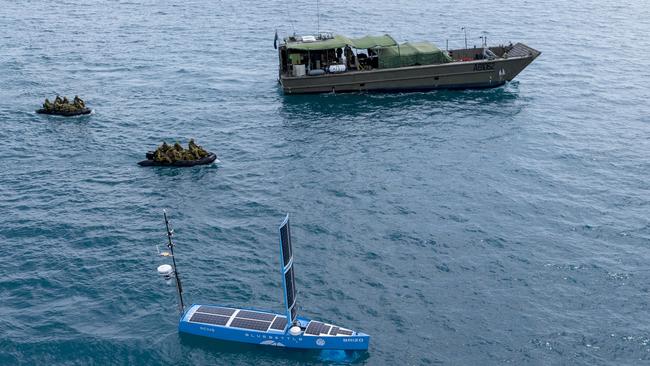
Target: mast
{"points": [[170, 245], [465, 31], [286, 265]]}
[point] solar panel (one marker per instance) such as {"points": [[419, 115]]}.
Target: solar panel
{"points": [[289, 281], [314, 328], [334, 330], [344, 332], [209, 319], [293, 313], [215, 310], [250, 324], [325, 329], [255, 315], [285, 239], [279, 323]]}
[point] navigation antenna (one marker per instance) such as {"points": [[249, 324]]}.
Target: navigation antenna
{"points": [[291, 21], [168, 271], [318, 17], [465, 31]]}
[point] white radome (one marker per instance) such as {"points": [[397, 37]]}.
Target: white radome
{"points": [[295, 330], [165, 270]]}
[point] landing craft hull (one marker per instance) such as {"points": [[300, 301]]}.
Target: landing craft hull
{"points": [[280, 338], [453, 75]]}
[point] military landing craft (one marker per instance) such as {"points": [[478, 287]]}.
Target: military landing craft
{"points": [[335, 63]]}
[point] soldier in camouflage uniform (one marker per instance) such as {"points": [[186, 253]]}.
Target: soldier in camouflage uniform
{"points": [[169, 154], [47, 105], [57, 103], [78, 102], [196, 150]]}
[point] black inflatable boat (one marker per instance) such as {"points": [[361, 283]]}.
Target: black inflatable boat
{"points": [[78, 112], [180, 163]]}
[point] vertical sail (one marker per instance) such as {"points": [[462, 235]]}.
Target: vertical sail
{"points": [[286, 261]]}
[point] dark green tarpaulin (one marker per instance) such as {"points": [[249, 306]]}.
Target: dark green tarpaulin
{"points": [[337, 42], [373, 41], [411, 54], [341, 41]]}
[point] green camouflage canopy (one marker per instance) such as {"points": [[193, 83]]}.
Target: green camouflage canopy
{"points": [[411, 54], [341, 41], [374, 41], [337, 42]]}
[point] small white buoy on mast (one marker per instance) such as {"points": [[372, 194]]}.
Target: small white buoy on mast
{"points": [[166, 271], [169, 271]]}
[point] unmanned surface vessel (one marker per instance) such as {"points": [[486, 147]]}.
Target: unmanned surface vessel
{"points": [[263, 327]]}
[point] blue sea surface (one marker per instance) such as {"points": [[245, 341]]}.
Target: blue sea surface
{"points": [[476, 227]]}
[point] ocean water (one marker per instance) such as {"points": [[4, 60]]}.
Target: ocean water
{"points": [[489, 227]]}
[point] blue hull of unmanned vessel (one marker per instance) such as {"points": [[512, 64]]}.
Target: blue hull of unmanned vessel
{"points": [[265, 328]]}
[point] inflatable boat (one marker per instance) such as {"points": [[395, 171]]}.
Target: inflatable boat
{"points": [[77, 112], [179, 163]]}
